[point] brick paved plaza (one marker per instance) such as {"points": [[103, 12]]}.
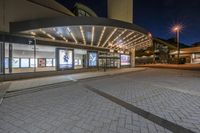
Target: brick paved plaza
{"points": [[172, 96]]}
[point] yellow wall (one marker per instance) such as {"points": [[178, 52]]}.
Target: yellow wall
{"points": [[121, 10]]}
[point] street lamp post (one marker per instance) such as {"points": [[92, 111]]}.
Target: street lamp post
{"points": [[177, 30]]}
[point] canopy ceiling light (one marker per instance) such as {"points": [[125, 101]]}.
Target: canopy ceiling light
{"points": [[85, 31]]}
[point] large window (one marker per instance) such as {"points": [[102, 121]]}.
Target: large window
{"points": [[15, 62], [80, 57], [45, 58], [21, 57]]}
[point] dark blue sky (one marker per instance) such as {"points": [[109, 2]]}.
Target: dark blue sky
{"points": [[158, 16]]}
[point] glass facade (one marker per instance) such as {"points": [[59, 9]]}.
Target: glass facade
{"points": [[109, 60], [45, 58], [32, 57], [21, 55], [24, 58]]}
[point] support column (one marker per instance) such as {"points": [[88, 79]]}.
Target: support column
{"points": [[10, 57], [1, 58], [132, 57]]}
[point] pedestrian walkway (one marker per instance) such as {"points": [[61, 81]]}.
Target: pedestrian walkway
{"points": [[31, 83], [135, 102]]}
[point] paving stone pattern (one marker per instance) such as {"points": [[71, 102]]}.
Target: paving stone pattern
{"points": [[69, 109], [142, 90]]}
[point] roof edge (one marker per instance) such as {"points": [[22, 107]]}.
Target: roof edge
{"points": [[72, 21]]}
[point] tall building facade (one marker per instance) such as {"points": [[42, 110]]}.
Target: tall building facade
{"points": [[121, 10], [40, 38]]}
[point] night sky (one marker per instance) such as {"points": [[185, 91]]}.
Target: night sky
{"points": [[157, 16]]}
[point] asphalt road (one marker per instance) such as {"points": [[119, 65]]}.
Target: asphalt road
{"points": [[151, 101]]}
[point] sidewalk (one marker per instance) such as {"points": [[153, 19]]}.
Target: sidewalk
{"points": [[30, 83], [173, 66]]}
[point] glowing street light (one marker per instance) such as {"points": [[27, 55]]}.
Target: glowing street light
{"points": [[176, 29]]}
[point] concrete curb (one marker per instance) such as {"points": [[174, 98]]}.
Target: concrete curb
{"points": [[3, 88]]}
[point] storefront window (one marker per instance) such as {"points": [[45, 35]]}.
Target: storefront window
{"points": [[16, 63], [21, 56], [109, 60], [33, 63], [49, 62], [25, 63], [45, 58], [80, 57]]}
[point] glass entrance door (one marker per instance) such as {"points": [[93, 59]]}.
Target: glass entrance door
{"points": [[109, 62]]}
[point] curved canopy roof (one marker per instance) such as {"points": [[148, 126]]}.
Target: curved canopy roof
{"points": [[86, 31]]}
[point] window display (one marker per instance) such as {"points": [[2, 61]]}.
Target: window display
{"points": [[76, 62], [80, 57], [49, 62], [32, 63], [125, 60], [92, 59], [25, 63], [15, 62], [65, 59], [45, 58]]}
